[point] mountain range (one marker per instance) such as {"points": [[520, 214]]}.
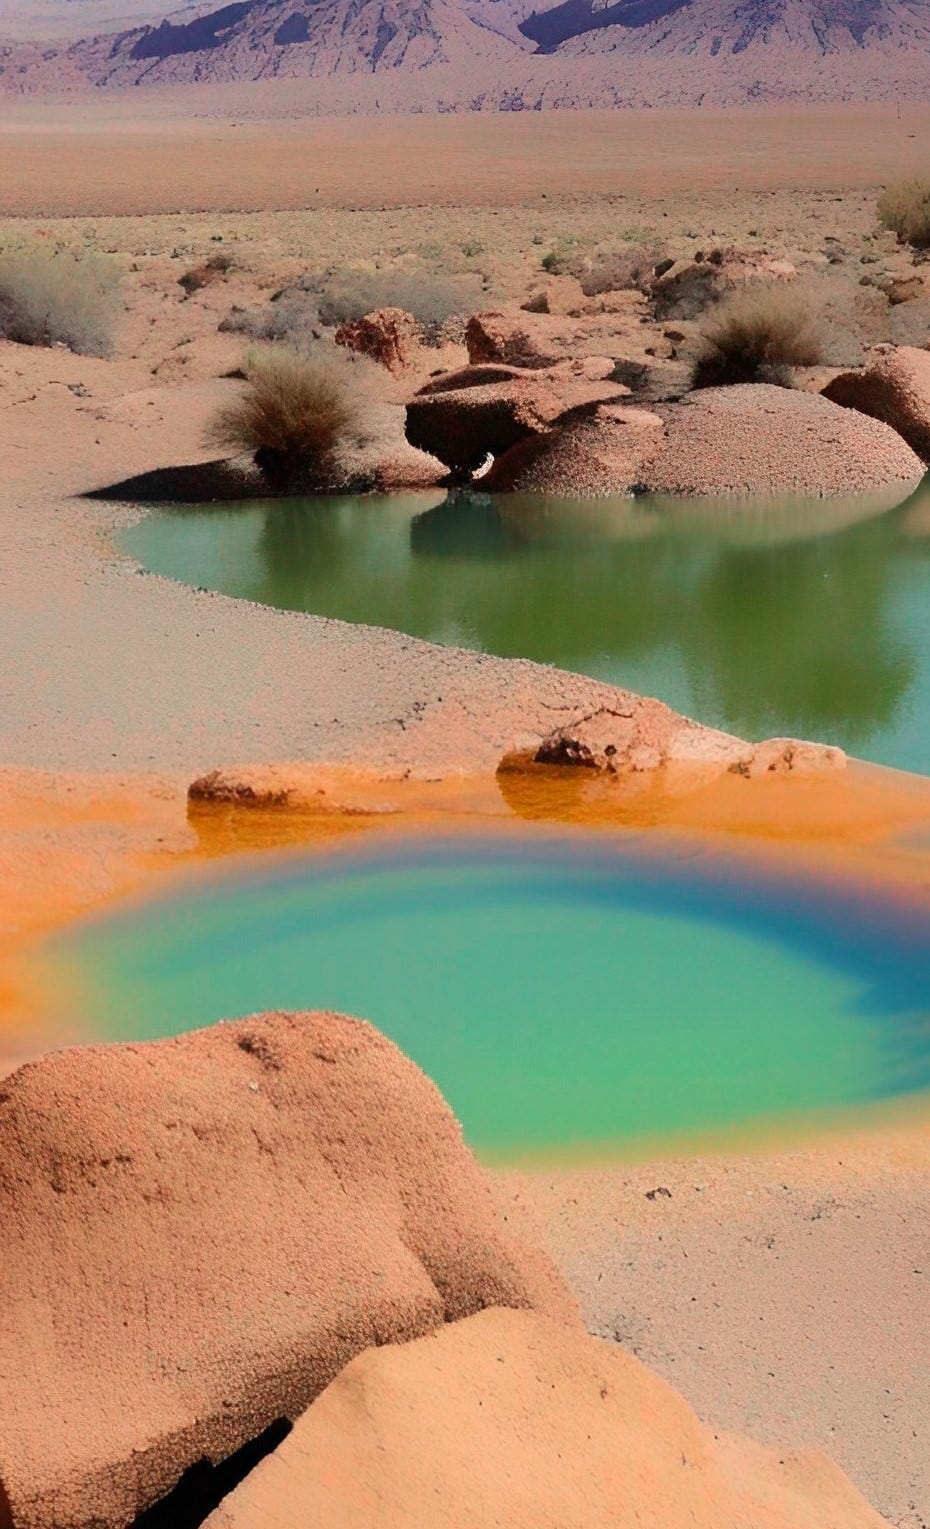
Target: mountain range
{"points": [[516, 54]]}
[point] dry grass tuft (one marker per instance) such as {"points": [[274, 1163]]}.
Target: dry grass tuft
{"points": [[757, 334], [298, 412], [53, 297], [905, 209]]}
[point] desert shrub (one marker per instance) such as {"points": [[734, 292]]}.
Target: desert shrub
{"points": [[757, 333], [49, 296], [905, 209], [299, 410], [291, 316], [432, 300]]}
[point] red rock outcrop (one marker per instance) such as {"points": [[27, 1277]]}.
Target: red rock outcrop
{"points": [[462, 425], [893, 387], [390, 336], [200, 1233], [508, 1419]]}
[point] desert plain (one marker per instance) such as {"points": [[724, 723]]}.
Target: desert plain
{"points": [[780, 1284]]}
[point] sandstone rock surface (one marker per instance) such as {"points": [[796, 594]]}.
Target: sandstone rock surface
{"points": [[758, 439], [461, 426], [685, 291], [539, 340], [599, 455], [894, 387], [200, 1233], [389, 336], [507, 1419], [633, 739]]}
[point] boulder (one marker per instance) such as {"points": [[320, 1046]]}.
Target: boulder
{"points": [[199, 1234], [535, 341], [757, 439], [790, 756], [462, 426], [638, 738], [893, 387], [598, 455], [390, 336], [507, 1419], [556, 294]]}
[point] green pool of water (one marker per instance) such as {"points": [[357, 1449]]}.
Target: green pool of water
{"points": [[807, 619], [564, 995]]}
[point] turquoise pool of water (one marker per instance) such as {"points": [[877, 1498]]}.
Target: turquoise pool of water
{"points": [[564, 994], [806, 619]]}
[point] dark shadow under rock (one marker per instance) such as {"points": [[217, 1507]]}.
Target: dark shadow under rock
{"points": [[193, 483], [202, 1488]]}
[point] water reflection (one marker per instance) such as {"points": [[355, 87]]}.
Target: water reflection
{"points": [[810, 618]]}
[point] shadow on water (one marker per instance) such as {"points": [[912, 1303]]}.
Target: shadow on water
{"points": [[806, 618]]}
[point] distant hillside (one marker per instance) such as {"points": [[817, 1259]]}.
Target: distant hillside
{"points": [[471, 54]]}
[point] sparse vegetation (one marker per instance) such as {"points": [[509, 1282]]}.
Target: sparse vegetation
{"points": [[49, 296], [298, 412], [905, 209], [757, 334], [432, 300], [292, 316]]}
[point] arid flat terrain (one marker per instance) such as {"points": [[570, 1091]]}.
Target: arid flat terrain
{"points": [[101, 159]]}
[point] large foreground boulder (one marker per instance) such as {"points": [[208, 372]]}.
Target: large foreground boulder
{"points": [[894, 387], [756, 439], [200, 1233], [510, 1420]]}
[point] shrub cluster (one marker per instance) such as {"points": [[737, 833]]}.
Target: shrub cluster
{"points": [[905, 209], [49, 296]]}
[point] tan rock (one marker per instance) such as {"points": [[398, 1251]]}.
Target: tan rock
{"points": [[507, 1419], [756, 439], [539, 340], [462, 426], [790, 756], [556, 294], [600, 455], [893, 387], [638, 736], [390, 336], [200, 1233]]}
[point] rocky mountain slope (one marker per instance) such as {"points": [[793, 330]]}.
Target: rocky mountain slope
{"points": [[457, 54]]}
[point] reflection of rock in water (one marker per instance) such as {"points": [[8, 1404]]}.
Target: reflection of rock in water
{"points": [[465, 525]]}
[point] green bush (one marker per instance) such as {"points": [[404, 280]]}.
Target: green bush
{"points": [[905, 209], [432, 300], [53, 297]]}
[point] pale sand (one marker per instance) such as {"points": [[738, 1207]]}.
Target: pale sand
{"points": [[786, 1295]]}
